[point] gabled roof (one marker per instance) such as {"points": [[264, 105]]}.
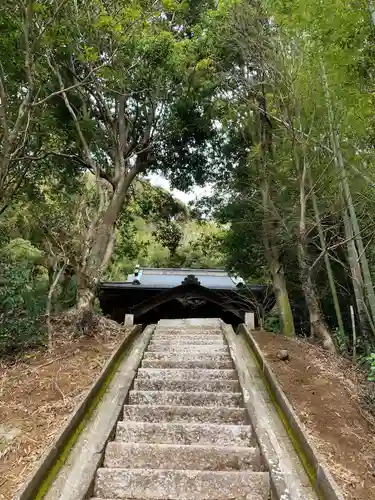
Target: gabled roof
{"points": [[154, 293], [169, 278]]}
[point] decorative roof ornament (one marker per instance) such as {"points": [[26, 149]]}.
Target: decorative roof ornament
{"points": [[137, 275], [191, 279], [191, 302]]}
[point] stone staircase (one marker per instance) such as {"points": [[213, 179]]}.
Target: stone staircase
{"points": [[184, 433]]}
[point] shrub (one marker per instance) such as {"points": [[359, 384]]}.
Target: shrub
{"points": [[371, 372], [23, 288], [272, 323]]}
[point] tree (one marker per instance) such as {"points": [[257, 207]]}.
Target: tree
{"points": [[279, 108], [31, 33], [131, 117], [23, 287], [341, 110], [249, 33]]}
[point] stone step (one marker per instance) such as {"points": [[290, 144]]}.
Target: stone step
{"points": [[190, 341], [203, 348], [214, 364], [188, 331], [185, 374], [148, 484], [186, 335], [170, 456], [186, 385], [186, 356], [185, 398], [202, 414], [184, 433], [190, 323]]}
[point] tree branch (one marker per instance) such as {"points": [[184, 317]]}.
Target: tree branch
{"points": [[59, 92], [3, 105], [28, 12], [122, 145], [86, 148]]}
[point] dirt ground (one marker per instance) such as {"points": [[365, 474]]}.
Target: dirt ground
{"points": [[325, 391], [38, 393]]}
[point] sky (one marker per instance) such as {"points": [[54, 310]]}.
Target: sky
{"points": [[195, 193]]}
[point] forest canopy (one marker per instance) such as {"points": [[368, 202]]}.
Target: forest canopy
{"points": [[271, 102]]}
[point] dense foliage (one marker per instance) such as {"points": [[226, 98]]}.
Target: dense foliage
{"points": [[35, 247], [271, 102], [297, 132], [23, 292]]}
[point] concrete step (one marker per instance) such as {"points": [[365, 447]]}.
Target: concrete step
{"points": [[190, 323], [170, 456], [186, 355], [148, 484], [173, 362], [188, 331], [191, 328], [207, 339], [185, 398], [184, 433], [160, 413], [203, 348], [187, 335], [187, 385], [185, 374]]}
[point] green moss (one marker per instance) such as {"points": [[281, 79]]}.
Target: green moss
{"points": [[287, 316], [3, 444]]}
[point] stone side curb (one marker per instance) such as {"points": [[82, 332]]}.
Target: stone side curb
{"points": [[55, 456], [321, 478], [288, 480]]}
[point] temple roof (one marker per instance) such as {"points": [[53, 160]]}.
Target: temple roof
{"points": [[169, 278], [150, 277], [153, 293]]}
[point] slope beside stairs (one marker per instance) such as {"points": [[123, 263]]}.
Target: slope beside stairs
{"points": [[184, 433]]}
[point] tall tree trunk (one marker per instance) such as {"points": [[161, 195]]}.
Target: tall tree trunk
{"points": [[275, 266], [319, 328], [51, 293], [372, 11], [65, 284], [327, 262], [100, 244], [364, 317], [318, 325], [356, 232], [270, 223], [366, 274], [86, 291]]}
